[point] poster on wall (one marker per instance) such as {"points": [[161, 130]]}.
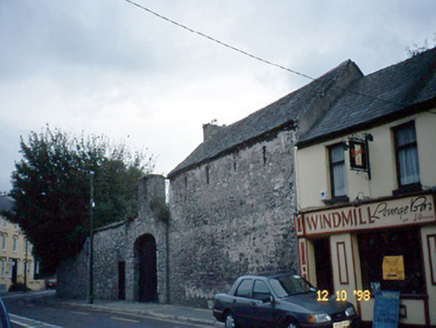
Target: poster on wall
{"points": [[386, 309], [393, 268]]}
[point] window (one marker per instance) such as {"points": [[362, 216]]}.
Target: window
{"points": [[244, 289], [3, 268], [16, 227], [406, 152], [337, 170], [4, 241], [404, 244], [5, 223], [25, 249], [260, 290], [15, 244], [36, 274]]}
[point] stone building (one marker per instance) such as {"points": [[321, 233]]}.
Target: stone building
{"points": [[232, 200], [129, 257], [17, 263], [231, 209]]}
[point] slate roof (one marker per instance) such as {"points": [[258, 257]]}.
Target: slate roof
{"points": [[6, 203], [277, 115], [401, 87]]}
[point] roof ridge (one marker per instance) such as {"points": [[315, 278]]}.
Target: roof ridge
{"points": [[275, 115]]}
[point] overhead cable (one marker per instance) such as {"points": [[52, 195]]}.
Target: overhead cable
{"points": [[254, 56]]}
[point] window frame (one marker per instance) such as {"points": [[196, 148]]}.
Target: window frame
{"points": [[332, 165], [254, 293], [250, 282], [397, 149], [15, 244]]}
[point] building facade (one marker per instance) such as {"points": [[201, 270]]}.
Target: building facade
{"points": [[334, 180], [232, 200], [366, 189], [17, 264]]}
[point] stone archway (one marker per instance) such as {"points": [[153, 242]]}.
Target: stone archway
{"points": [[145, 250]]}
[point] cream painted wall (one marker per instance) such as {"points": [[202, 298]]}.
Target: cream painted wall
{"points": [[431, 289], [8, 229], [313, 174]]}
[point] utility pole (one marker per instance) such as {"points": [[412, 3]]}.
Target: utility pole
{"points": [[91, 235], [26, 245]]}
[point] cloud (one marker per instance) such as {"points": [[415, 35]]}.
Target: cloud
{"points": [[107, 67]]}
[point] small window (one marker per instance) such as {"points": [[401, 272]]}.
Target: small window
{"points": [[406, 152], [337, 170], [16, 227], [3, 269], [15, 244], [4, 241], [260, 290], [264, 155], [207, 174], [244, 288]]}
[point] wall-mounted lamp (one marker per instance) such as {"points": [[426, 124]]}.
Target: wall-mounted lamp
{"points": [[358, 201]]}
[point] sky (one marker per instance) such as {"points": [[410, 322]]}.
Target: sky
{"points": [[107, 67]]}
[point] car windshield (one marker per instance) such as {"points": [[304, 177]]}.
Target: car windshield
{"points": [[290, 285]]}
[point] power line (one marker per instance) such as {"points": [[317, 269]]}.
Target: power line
{"points": [[219, 42], [254, 56]]}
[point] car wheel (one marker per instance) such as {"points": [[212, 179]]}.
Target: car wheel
{"points": [[230, 321], [291, 325]]}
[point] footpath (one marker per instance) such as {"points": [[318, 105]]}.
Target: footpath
{"points": [[201, 317]]}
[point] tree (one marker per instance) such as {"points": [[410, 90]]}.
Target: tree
{"points": [[417, 49], [51, 188]]}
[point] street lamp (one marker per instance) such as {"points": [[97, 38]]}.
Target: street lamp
{"points": [[91, 233]]}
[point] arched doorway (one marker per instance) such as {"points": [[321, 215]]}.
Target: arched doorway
{"points": [[145, 250]]}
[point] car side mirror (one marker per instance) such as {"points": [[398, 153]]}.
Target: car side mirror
{"points": [[269, 299]]}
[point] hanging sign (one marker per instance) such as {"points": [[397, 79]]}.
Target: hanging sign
{"points": [[358, 154], [393, 268]]}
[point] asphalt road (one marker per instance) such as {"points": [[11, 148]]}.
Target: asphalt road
{"points": [[29, 311]]}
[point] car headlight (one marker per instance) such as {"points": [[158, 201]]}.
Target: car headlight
{"points": [[318, 318], [350, 311]]}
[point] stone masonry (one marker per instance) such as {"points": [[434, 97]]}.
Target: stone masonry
{"points": [[116, 243], [230, 217]]}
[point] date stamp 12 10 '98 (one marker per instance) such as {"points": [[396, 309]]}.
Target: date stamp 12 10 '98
{"points": [[342, 295]]}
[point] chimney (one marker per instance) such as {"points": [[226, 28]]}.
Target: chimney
{"points": [[210, 129]]}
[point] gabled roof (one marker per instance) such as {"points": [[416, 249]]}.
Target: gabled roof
{"points": [[278, 115], [379, 97]]}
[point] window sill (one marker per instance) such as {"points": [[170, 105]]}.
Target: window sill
{"points": [[407, 189], [336, 200]]}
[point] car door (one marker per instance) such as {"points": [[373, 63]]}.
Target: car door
{"points": [[262, 308], [241, 302]]}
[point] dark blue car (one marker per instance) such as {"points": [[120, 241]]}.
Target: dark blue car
{"points": [[282, 300]]}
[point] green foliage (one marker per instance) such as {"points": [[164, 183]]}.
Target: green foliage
{"points": [[52, 183]]}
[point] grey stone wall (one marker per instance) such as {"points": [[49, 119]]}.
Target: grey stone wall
{"points": [[230, 217], [72, 276], [116, 243]]}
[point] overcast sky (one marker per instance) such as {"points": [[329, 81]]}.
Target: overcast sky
{"points": [[108, 67]]}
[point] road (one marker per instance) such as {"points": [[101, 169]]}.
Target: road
{"points": [[29, 311]]}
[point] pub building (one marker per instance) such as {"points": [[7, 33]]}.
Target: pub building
{"points": [[366, 186]]}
